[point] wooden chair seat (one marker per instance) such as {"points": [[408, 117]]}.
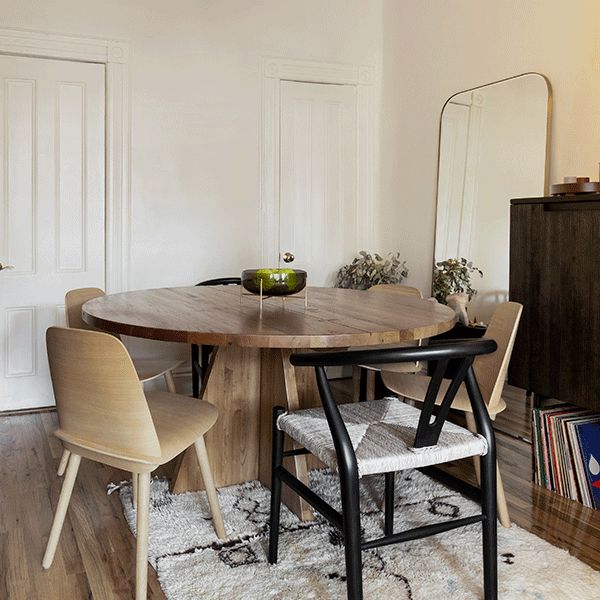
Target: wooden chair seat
{"points": [[179, 421], [148, 369], [382, 433], [414, 387], [393, 368]]}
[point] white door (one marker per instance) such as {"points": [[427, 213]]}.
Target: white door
{"points": [[318, 177], [51, 210]]}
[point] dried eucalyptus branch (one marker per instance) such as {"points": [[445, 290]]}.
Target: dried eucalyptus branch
{"points": [[367, 270], [453, 276]]}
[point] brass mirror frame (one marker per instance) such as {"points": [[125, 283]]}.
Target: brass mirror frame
{"points": [[546, 159]]}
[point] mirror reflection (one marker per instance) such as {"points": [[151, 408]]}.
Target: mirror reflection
{"points": [[493, 147]]}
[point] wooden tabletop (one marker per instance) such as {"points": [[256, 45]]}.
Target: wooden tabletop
{"points": [[335, 318]]}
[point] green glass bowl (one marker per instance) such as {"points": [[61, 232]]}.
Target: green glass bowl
{"points": [[275, 282]]}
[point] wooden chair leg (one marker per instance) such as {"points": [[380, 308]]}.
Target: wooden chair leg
{"points": [[502, 507], [141, 546], [209, 485], [61, 510], [503, 515], [170, 382], [62, 465], [134, 488]]}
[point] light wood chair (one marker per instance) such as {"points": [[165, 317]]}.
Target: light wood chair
{"points": [[105, 416], [364, 375], [146, 369], [491, 375]]}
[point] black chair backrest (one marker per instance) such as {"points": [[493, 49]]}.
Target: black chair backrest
{"points": [[222, 281], [463, 352]]}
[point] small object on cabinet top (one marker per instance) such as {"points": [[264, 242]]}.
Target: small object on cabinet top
{"points": [[575, 185]]}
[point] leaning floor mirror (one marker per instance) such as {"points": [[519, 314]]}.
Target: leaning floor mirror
{"points": [[494, 146]]}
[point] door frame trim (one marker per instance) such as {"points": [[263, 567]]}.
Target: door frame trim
{"points": [[114, 54], [275, 70]]}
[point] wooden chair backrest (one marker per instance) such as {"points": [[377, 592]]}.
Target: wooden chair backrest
{"points": [[74, 300], [397, 288], [491, 369], [100, 400]]}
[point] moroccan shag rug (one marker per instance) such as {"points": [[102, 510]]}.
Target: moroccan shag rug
{"points": [[193, 565]]}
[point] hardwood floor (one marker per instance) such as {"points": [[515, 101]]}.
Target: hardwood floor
{"points": [[516, 419], [95, 557], [96, 553]]}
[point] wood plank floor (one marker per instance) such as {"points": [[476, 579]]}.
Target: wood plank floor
{"points": [[96, 553], [95, 558]]}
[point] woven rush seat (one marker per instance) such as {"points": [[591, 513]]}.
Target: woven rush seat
{"points": [[382, 433]]}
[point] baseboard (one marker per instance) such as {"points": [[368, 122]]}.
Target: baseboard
{"points": [[27, 411]]}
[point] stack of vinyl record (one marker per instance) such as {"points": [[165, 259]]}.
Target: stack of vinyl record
{"points": [[566, 447]]}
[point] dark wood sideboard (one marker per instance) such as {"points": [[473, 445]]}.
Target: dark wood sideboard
{"points": [[555, 274]]}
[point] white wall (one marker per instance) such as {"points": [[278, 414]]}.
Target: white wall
{"points": [[436, 48], [196, 85], [196, 104]]}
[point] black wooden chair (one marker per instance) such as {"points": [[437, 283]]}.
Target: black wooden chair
{"points": [[393, 436], [201, 354]]}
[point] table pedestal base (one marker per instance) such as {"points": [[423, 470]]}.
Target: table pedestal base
{"points": [[245, 384]]}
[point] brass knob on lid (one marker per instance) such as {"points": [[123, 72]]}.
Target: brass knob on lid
{"points": [[288, 257]]}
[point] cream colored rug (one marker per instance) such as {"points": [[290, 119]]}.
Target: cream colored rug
{"points": [[193, 565]]}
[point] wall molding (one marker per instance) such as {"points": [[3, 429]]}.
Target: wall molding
{"points": [[275, 70], [115, 55]]}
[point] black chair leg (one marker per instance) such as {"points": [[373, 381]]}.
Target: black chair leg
{"points": [[276, 461], [353, 552], [489, 525], [205, 359], [196, 372], [388, 527], [362, 385]]}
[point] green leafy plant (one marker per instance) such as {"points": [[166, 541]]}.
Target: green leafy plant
{"points": [[367, 270], [453, 276]]}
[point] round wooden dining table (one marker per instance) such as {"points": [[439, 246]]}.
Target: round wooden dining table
{"points": [[249, 371]]}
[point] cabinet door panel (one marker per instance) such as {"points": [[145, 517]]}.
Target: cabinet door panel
{"points": [[555, 274]]}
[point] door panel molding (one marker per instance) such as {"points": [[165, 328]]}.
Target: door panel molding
{"points": [[275, 70], [115, 55], [20, 354], [18, 244]]}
